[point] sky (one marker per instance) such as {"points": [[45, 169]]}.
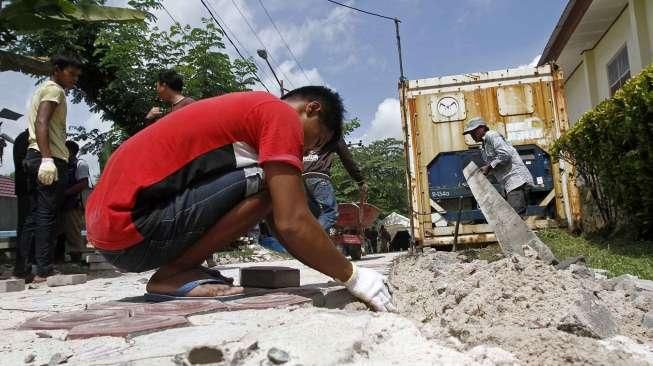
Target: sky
{"points": [[350, 52]]}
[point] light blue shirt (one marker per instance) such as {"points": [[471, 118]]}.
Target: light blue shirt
{"points": [[507, 166]]}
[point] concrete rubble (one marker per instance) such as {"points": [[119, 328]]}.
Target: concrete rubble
{"points": [[537, 313], [453, 311]]}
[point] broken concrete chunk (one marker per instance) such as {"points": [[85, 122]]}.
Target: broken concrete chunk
{"points": [[624, 283], [29, 358], [643, 300], [269, 277], [644, 285], [588, 317], [581, 270], [66, 280], [511, 231], [569, 261], [647, 320], [12, 285], [278, 356]]}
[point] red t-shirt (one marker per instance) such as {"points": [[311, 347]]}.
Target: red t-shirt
{"points": [[208, 137]]}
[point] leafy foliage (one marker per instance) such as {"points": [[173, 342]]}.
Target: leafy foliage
{"points": [[384, 167], [30, 15], [612, 151], [121, 63]]}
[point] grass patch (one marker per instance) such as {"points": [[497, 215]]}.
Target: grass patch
{"points": [[619, 256]]}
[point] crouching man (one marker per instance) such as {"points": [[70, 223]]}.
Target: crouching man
{"points": [[171, 195]]}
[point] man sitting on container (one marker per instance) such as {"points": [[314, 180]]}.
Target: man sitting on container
{"points": [[502, 160]]}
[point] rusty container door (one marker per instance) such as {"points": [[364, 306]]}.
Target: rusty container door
{"points": [[525, 105]]}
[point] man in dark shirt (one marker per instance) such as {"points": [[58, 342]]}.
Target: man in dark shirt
{"points": [[169, 86], [20, 187], [317, 175]]}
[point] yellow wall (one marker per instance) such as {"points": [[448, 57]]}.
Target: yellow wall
{"points": [[589, 85], [576, 91]]}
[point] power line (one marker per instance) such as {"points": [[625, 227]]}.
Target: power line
{"points": [[232, 43], [233, 35], [363, 11], [284, 41], [251, 28]]}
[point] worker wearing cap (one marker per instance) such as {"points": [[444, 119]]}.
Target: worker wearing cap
{"points": [[502, 160]]}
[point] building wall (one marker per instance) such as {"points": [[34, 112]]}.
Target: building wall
{"points": [[589, 85], [619, 35], [578, 100]]}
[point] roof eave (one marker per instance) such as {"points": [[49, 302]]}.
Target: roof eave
{"points": [[569, 20]]}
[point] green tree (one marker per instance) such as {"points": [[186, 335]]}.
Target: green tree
{"points": [[384, 167], [121, 62]]}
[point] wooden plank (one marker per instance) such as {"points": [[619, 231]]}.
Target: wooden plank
{"points": [[549, 197], [511, 231]]}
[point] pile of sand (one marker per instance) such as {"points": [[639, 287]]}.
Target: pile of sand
{"points": [[522, 306]]}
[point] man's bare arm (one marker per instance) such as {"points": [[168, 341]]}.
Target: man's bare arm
{"points": [[43, 115], [298, 230]]}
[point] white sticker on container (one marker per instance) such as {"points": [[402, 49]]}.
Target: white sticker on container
{"points": [[540, 180]]}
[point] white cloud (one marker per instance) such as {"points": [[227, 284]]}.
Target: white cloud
{"points": [[386, 122], [533, 63]]}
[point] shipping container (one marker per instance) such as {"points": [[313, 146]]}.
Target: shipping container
{"points": [[525, 105]]}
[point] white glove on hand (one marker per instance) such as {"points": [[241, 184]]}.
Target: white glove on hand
{"points": [[371, 287], [47, 171]]}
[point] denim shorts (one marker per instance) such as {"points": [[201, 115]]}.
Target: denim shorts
{"points": [[176, 224]]}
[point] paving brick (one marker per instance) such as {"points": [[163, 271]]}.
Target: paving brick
{"points": [[175, 307], [269, 277], [101, 267], [72, 319], [95, 258], [12, 285], [66, 280], [273, 300], [126, 326]]}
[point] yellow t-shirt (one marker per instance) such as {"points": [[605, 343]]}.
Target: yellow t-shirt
{"points": [[50, 91]]}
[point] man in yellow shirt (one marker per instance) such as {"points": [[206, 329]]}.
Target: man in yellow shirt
{"points": [[46, 167]]}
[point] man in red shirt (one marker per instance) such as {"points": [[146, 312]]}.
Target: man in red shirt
{"points": [[171, 195]]}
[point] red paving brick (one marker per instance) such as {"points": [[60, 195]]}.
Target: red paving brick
{"points": [[175, 307], [72, 319], [273, 300], [126, 327]]}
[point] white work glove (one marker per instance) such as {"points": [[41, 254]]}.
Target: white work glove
{"points": [[47, 171], [371, 287]]}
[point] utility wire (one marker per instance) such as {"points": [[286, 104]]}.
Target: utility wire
{"points": [[284, 40], [233, 35], [174, 20], [363, 11], [251, 28], [232, 43]]}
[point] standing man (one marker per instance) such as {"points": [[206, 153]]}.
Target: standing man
{"points": [[46, 165], [71, 220], [168, 87], [317, 174], [197, 189], [502, 160], [22, 198]]}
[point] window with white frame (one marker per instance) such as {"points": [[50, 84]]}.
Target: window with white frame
{"points": [[618, 70]]}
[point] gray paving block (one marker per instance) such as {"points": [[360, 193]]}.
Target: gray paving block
{"points": [[511, 231], [12, 285], [95, 258], [269, 277], [66, 280], [101, 267]]}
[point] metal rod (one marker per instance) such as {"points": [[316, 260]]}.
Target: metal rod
{"points": [[460, 213], [401, 61]]}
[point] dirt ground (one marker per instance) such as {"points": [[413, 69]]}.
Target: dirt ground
{"points": [[524, 307]]}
